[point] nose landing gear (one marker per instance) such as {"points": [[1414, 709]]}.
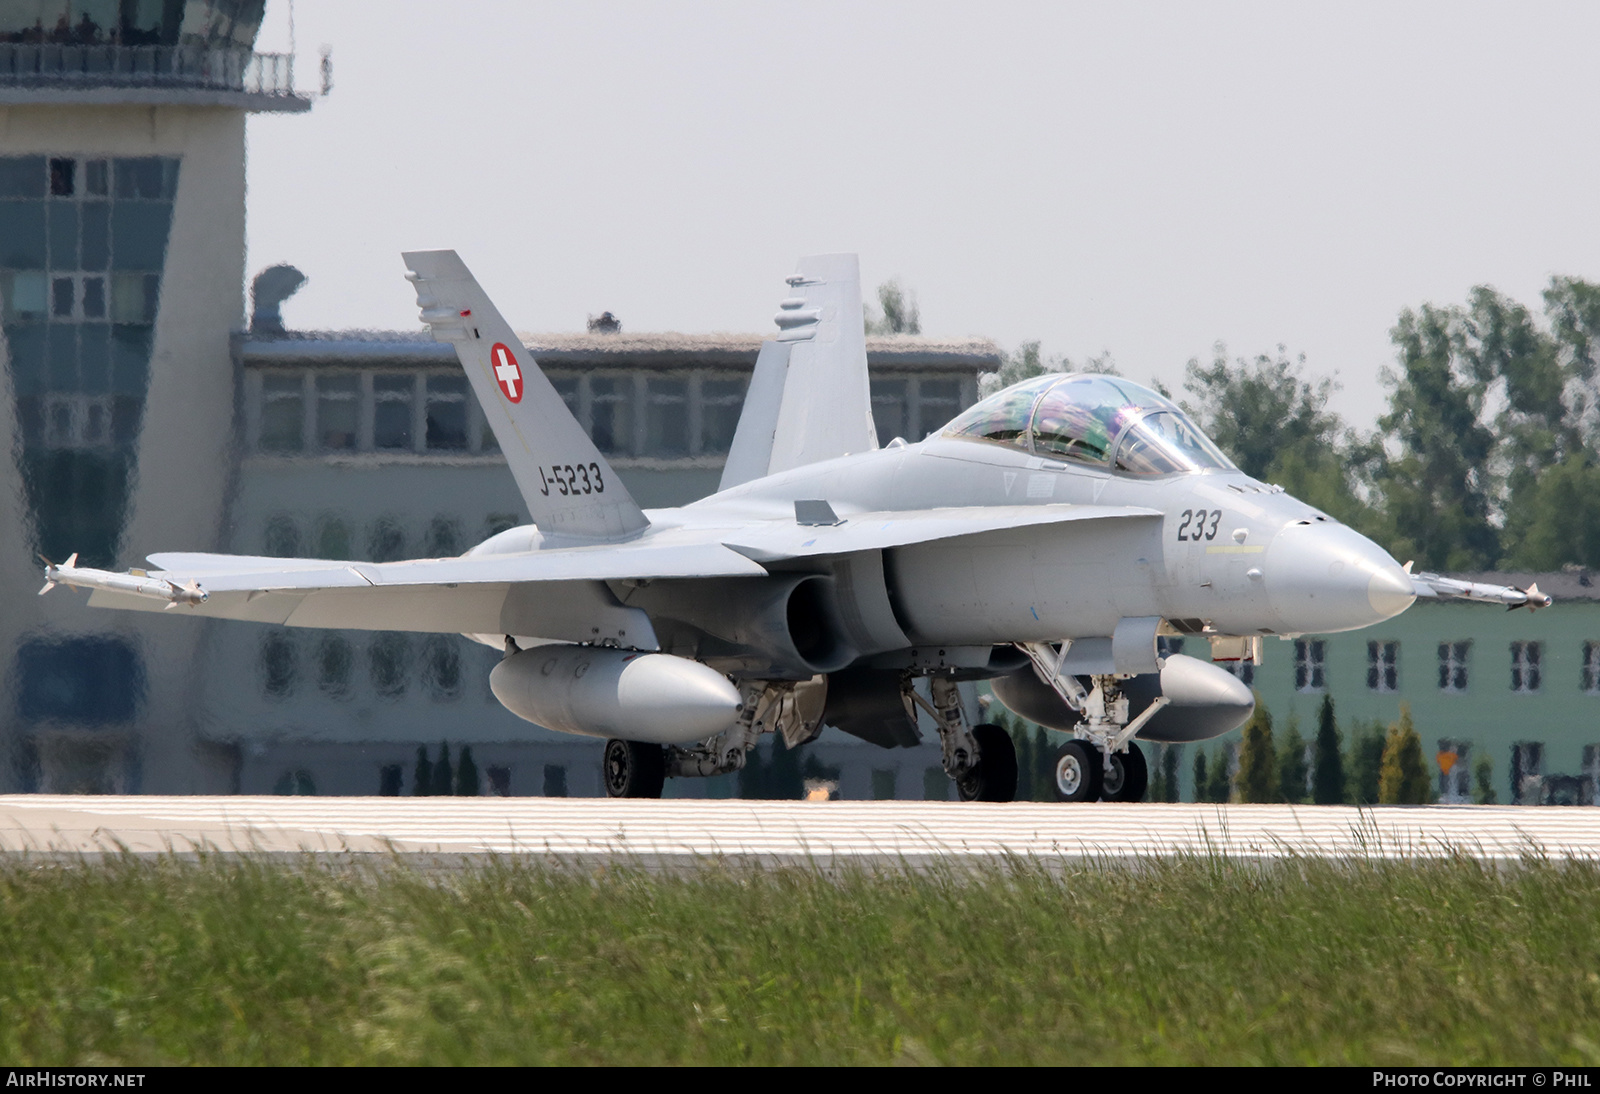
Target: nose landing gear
{"points": [[1103, 763]]}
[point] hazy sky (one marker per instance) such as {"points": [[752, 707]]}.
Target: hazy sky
{"points": [[1138, 179]]}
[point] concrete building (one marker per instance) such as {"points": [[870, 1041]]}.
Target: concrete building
{"points": [[138, 414], [1521, 688], [122, 187]]}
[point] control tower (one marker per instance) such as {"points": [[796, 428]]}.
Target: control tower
{"points": [[122, 239]]}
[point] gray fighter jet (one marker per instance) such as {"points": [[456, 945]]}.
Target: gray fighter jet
{"points": [[1045, 541]]}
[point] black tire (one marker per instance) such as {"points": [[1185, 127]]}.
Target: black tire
{"points": [[634, 769], [1078, 772], [994, 777], [1129, 778]]}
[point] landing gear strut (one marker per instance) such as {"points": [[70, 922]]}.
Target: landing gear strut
{"points": [[982, 760], [1104, 737]]}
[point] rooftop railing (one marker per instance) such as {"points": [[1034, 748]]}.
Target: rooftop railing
{"points": [[49, 65]]}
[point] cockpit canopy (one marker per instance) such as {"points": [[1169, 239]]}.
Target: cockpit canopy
{"points": [[1104, 421]]}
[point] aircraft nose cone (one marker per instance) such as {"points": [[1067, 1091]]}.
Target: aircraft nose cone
{"points": [[1390, 591], [1322, 578]]}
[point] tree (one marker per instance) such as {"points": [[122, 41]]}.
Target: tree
{"points": [[441, 785], [1169, 769], [1219, 784], [1366, 761], [1402, 779], [422, 775], [1274, 423], [1327, 779], [1200, 780], [773, 777], [900, 312], [1044, 772], [1483, 778], [1292, 767], [1258, 762], [1437, 491], [467, 785], [1027, 769]]}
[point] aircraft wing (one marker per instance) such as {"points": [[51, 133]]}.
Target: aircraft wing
{"points": [[556, 594], [777, 540]]}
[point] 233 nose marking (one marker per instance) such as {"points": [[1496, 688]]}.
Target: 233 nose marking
{"points": [[1199, 524]]}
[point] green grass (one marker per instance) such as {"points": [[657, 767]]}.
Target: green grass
{"points": [[1185, 961]]}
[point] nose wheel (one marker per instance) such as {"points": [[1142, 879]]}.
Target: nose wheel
{"points": [[1081, 775], [634, 769], [1128, 779]]}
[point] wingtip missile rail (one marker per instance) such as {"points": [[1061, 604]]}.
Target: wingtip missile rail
{"points": [[134, 583], [1433, 585]]}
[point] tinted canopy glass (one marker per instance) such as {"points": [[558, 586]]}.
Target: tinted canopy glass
{"points": [[1099, 420]]}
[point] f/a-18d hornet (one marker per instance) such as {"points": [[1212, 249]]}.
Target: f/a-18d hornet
{"points": [[1045, 541]]}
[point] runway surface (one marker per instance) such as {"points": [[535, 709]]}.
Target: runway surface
{"points": [[780, 831]]}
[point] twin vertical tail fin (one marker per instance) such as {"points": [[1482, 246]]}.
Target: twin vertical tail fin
{"points": [[567, 484], [809, 399]]}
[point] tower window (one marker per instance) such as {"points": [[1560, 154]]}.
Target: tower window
{"points": [[62, 175]]}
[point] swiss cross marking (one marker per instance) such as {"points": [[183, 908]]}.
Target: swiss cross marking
{"points": [[507, 372]]}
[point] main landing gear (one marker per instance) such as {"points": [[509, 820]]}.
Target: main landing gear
{"points": [[1104, 763], [981, 759], [634, 769]]}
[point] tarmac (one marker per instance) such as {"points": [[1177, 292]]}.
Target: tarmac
{"points": [[836, 833]]}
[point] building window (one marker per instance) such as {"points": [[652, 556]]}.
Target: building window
{"points": [[611, 414], [446, 426], [1167, 645], [334, 661], [1453, 665], [1527, 772], [280, 664], [666, 418], [1244, 670], [1310, 664], [282, 413], [1591, 668], [720, 404], [338, 411], [1591, 773], [1455, 784], [282, 539], [1383, 666], [890, 404], [938, 401], [392, 398], [389, 662], [1525, 657], [386, 541], [444, 538], [441, 663], [333, 539]]}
